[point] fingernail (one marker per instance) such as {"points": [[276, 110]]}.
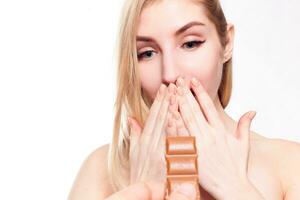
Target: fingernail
{"points": [[180, 81], [162, 88], [252, 114], [160, 92], [195, 82], [187, 189], [171, 88]]}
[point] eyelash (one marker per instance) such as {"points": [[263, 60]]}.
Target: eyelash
{"points": [[197, 42]]}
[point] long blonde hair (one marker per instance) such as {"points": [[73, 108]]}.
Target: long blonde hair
{"points": [[130, 99]]}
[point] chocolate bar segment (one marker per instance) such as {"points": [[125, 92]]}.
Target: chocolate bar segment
{"points": [[181, 160], [182, 165], [180, 145], [174, 182]]}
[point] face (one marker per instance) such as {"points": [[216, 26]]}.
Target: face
{"points": [[175, 38]]}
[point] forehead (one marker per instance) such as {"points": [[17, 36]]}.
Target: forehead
{"points": [[169, 15]]}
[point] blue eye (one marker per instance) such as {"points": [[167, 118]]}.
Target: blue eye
{"points": [[192, 44], [145, 54], [189, 45]]}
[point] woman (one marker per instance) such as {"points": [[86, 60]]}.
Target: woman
{"points": [[174, 78]]}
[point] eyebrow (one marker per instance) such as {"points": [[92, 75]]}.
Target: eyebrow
{"points": [[178, 32]]}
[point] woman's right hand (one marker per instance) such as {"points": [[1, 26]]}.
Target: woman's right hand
{"points": [[147, 144], [153, 191]]}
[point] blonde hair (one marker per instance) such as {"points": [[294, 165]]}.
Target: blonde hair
{"points": [[130, 99]]}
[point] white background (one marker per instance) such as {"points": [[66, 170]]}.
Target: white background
{"points": [[57, 83]]}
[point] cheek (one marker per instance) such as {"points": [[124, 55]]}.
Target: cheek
{"points": [[210, 77], [206, 66], [150, 77]]}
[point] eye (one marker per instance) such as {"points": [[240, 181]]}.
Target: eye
{"points": [[192, 44], [145, 54]]}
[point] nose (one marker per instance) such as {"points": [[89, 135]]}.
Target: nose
{"points": [[170, 70]]}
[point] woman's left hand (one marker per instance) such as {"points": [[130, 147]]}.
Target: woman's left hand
{"points": [[222, 155]]}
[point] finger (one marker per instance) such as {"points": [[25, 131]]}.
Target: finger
{"points": [[160, 121], [133, 192], [178, 196], [134, 127], [156, 140], [243, 127], [181, 128], [171, 128], [154, 110], [184, 191], [188, 117], [191, 103], [157, 190], [205, 102], [173, 102]]}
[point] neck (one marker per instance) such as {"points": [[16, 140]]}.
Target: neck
{"points": [[230, 124]]}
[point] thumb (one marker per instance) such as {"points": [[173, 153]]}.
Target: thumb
{"points": [[133, 192], [185, 191], [135, 128], [134, 136], [243, 127]]}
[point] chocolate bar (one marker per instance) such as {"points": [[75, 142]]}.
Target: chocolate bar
{"points": [[181, 158]]}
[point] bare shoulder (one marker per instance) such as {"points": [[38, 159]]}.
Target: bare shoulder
{"points": [[92, 179], [289, 162], [283, 152], [285, 156], [280, 146]]}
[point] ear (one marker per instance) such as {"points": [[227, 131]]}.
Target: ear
{"points": [[229, 43]]}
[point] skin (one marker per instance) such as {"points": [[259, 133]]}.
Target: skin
{"points": [[141, 140], [254, 167], [172, 56]]}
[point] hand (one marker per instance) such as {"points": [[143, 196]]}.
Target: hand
{"points": [[222, 156], [176, 126], [153, 191], [140, 191], [147, 144]]}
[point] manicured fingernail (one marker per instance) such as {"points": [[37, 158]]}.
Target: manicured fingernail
{"points": [[180, 81], [171, 88], [195, 82], [162, 88], [161, 92], [187, 189]]}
